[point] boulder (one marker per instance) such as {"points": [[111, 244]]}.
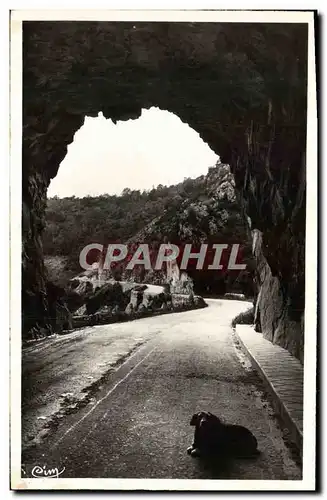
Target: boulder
{"points": [[115, 310], [81, 311], [129, 309], [110, 294], [136, 298], [199, 301], [142, 308]]}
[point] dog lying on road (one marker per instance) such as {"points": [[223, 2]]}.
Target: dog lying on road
{"points": [[213, 437]]}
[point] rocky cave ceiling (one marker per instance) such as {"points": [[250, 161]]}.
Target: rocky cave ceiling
{"points": [[242, 87]]}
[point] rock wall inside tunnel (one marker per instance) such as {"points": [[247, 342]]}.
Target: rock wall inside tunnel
{"points": [[242, 87]]}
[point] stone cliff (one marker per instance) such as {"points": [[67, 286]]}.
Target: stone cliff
{"points": [[242, 87], [209, 213]]}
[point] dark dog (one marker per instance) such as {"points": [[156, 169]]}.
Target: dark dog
{"points": [[213, 437]]}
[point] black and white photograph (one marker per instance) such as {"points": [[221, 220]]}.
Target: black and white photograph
{"points": [[163, 250]]}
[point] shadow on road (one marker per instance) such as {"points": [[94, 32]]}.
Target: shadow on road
{"points": [[220, 467], [215, 468]]}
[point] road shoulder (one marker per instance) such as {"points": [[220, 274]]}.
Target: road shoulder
{"points": [[282, 375]]}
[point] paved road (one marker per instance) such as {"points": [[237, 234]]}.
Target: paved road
{"points": [[138, 427], [71, 365]]}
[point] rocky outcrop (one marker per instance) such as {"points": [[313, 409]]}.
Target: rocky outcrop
{"points": [[275, 313], [242, 87], [209, 213]]}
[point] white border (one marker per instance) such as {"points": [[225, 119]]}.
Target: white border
{"points": [[15, 245], [222, 16], [308, 481], [311, 259]]}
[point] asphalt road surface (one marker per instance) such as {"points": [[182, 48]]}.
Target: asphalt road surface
{"points": [[138, 425]]}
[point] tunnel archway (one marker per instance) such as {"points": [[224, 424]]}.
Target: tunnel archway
{"points": [[242, 87], [155, 149]]}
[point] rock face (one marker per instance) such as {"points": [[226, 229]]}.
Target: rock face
{"points": [[211, 214], [242, 87], [280, 319]]}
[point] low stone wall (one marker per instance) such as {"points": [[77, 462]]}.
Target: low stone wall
{"points": [[235, 296]]}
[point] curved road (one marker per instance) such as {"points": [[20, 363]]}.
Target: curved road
{"points": [[138, 427]]}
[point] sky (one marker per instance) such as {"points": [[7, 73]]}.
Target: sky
{"points": [[157, 148]]}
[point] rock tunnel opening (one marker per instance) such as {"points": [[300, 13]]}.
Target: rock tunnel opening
{"points": [[247, 102]]}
